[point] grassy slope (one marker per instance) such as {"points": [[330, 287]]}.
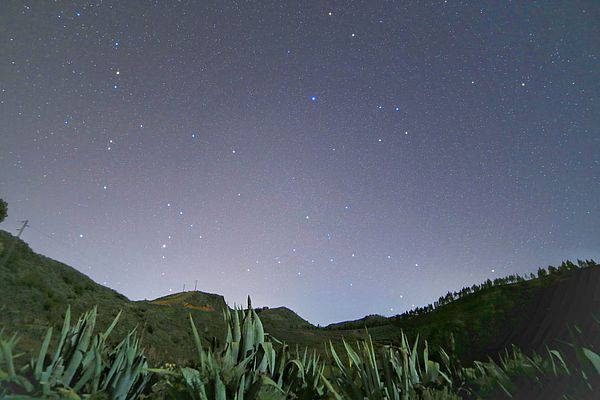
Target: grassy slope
{"points": [[36, 290]]}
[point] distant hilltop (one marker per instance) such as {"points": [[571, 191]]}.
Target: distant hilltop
{"points": [[194, 300]]}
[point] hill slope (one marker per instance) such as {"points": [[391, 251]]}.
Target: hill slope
{"points": [[36, 291]]}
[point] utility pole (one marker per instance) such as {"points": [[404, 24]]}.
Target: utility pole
{"points": [[196, 285], [184, 287], [10, 249]]}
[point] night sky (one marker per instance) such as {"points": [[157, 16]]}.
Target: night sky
{"points": [[341, 158]]}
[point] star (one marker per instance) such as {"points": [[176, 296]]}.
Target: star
{"points": [[313, 98]]}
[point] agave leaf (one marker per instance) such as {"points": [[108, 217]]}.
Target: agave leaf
{"points": [[112, 325], [63, 337], [593, 357], [352, 356], [199, 348], [220, 389], [6, 348], [330, 388], [39, 365], [556, 354]]}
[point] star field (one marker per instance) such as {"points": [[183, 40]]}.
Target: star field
{"points": [[339, 158]]}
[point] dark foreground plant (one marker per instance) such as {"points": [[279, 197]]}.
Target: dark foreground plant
{"points": [[251, 365], [82, 364]]}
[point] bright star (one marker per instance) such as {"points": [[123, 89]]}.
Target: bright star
{"points": [[313, 98]]}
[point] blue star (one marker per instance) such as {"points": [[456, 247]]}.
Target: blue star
{"points": [[78, 14], [397, 108], [313, 98]]}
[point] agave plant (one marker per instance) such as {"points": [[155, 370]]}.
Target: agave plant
{"points": [[398, 373], [81, 364], [250, 365]]}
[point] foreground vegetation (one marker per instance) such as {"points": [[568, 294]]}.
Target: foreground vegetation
{"points": [[250, 364]]}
